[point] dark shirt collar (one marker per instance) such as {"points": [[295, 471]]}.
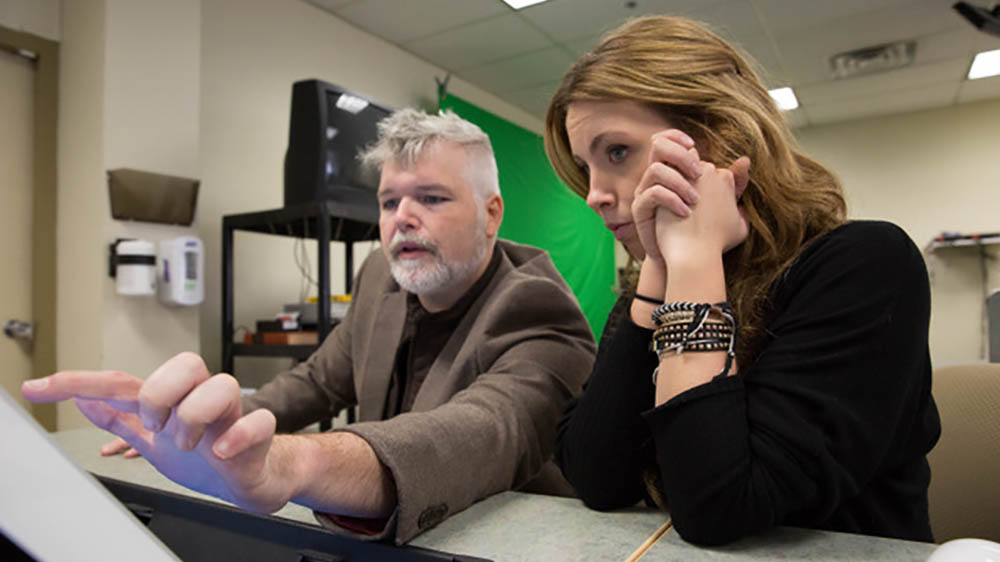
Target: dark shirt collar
{"points": [[424, 336], [416, 311]]}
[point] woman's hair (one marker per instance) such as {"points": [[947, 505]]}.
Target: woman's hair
{"points": [[707, 89]]}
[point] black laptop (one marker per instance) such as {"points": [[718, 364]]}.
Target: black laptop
{"points": [[52, 510]]}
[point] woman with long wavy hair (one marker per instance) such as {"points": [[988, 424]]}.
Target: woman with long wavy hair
{"points": [[770, 366]]}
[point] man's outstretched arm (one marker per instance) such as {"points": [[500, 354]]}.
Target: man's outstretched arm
{"points": [[189, 425]]}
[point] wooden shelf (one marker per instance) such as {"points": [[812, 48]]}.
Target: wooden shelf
{"points": [[300, 352], [349, 218]]}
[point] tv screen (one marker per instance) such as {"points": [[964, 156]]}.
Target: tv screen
{"points": [[328, 127]]}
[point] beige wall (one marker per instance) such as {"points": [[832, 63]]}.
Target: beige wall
{"points": [[252, 52], [130, 94], [80, 234], [38, 17], [928, 171], [151, 119]]}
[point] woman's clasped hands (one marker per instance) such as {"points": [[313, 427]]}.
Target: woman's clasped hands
{"points": [[685, 206]]}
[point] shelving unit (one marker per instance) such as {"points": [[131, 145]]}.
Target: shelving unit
{"points": [[984, 242], [350, 221], [942, 242]]}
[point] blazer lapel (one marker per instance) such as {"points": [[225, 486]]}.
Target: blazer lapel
{"points": [[383, 341], [445, 378]]}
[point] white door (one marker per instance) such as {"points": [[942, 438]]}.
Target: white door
{"points": [[16, 133]]}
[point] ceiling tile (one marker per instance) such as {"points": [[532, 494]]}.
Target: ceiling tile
{"points": [[796, 118], [479, 43], [734, 20], [956, 43], [981, 89], [899, 102], [805, 52], [785, 15], [520, 72], [884, 84], [985, 42], [768, 64], [403, 21], [582, 45], [331, 5], [751, 37], [534, 100], [566, 20], [519, 56]]}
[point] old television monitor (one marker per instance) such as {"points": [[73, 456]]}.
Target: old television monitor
{"points": [[328, 128]]}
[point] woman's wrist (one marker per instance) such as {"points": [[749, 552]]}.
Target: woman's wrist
{"points": [[678, 250], [695, 277], [651, 284]]}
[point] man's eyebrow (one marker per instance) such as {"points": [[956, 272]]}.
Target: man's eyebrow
{"points": [[424, 188], [434, 187]]}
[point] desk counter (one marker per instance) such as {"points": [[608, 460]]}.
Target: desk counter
{"points": [[517, 527]]}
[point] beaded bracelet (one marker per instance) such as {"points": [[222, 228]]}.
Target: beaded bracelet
{"points": [[676, 328], [675, 317], [659, 313], [676, 337], [678, 341], [696, 345], [683, 326]]}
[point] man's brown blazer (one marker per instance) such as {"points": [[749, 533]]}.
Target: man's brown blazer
{"points": [[484, 419]]}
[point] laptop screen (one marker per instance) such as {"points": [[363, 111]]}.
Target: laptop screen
{"points": [[52, 509]]}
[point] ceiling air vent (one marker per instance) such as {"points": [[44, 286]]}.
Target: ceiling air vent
{"points": [[880, 58]]}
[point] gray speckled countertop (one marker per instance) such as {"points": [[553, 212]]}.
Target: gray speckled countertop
{"points": [[786, 543], [519, 527]]}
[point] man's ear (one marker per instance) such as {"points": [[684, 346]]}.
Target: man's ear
{"points": [[494, 215]]}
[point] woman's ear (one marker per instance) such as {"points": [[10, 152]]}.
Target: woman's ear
{"points": [[741, 174]]}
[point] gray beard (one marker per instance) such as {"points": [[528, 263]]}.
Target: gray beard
{"points": [[422, 278]]}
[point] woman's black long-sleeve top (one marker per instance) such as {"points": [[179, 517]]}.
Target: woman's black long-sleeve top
{"points": [[828, 428]]}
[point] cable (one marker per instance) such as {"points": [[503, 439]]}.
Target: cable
{"points": [[305, 268]]}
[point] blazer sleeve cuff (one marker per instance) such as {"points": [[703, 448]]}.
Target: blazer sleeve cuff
{"points": [[375, 530]]}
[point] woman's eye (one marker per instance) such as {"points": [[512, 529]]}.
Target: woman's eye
{"points": [[584, 169], [617, 153]]}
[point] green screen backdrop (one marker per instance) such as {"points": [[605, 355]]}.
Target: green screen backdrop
{"points": [[540, 210]]}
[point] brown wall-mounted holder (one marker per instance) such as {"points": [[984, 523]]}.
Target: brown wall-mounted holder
{"points": [[145, 196]]}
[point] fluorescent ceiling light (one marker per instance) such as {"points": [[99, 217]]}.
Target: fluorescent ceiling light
{"points": [[986, 63], [785, 97], [518, 4]]}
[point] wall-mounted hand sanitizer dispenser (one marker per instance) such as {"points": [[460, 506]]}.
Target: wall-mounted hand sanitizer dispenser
{"points": [[182, 271], [133, 265]]}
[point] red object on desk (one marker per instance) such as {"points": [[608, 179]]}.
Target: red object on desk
{"points": [[282, 338]]}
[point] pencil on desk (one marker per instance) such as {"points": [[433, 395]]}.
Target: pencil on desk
{"points": [[649, 541]]}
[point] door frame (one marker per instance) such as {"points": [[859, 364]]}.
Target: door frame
{"points": [[43, 212]]}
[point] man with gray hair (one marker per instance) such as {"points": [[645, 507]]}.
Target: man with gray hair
{"points": [[459, 350]]}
